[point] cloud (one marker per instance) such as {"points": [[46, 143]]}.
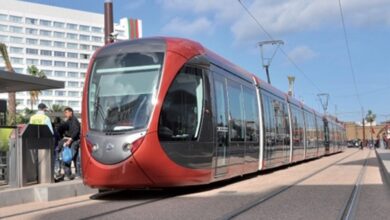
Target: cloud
{"points": [[301, 54], [288, 16], [280, 17], [184, 27]]}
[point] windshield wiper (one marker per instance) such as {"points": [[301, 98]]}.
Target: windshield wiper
{"points": [[97, 106]]}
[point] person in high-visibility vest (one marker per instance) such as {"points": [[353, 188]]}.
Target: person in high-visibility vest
{"points": [[40, 118]]}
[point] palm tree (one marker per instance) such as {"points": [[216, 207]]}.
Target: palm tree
{"points": [[34, 95], [11, 95], [370, 118], [57, 108]]}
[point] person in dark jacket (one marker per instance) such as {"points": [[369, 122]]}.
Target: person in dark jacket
{"points": [[70, 131]]}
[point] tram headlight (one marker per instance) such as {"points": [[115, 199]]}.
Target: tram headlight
{"points": [[133, 146], [127, 147], [95, 147]]}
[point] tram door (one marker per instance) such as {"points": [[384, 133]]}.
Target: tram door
{"points": [[222, 127]]}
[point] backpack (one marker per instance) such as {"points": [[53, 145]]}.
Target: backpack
{"points": [[67, 155]]}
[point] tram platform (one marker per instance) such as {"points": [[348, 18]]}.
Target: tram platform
{"points": [[43, 192], [384, 159]]}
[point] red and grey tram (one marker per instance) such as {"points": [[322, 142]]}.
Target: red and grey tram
{"points": [[165, 112]]}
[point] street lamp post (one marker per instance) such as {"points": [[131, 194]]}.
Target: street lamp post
{"points": [[266, 61]]}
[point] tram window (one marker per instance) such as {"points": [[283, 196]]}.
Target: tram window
{"points": [[251, 115], [236, 116], [181, 113], [269, 134], [220, 94], [297, 126]]}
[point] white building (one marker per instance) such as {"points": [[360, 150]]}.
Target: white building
{"points": [[58, 41]]}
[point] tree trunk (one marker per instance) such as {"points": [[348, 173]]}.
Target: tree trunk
{"points": [[11, 108]]}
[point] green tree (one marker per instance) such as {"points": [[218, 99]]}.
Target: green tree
{"points": [[11, 95], [57, 108], [370, 118], [34, 95]]}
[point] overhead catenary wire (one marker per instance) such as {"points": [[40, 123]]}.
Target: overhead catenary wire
{"points": [[281, 49], [350, 56]]}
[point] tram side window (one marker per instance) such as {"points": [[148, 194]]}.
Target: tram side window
{"points": [[268, 121], [276, 121], [298, 126], [236, 113], [251, 115], [181, 112], [320, 129]]}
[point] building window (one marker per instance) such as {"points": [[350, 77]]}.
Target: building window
{"points": [[46, 52], [73, 65], [97, 39], [71, 26], [84, 56], [31, 21], [84, 37], [59, 73], [15, 19], [73, 74], [73, 84], [83, 65], [97, 29], [59, 44], [3, 17], [31, 41], [72, 55], [84, 47], [71, 36], [32, 62], [48, 73], [45, 33], [3, 27], [84, 28], [59, 34], [82, 75], [19, 70], [74, 104], [59, 63], [94, 47], [31, 31], [59, 54], [16, 50], [15, 60], [15, 29], [59, 93], [61, 102], [45, 23], [45, 42], [47, 92], [46, 63], [31, 51], [18, 40], [73, 94], [58, 24], [3, 38], [71, 45]]}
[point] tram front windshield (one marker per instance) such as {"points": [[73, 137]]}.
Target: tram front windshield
{"points": [[121, 91]]}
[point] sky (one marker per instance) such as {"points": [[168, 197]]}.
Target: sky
{"points": [[314, 49]]}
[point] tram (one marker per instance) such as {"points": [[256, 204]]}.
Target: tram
{"points": [[168, 112]]}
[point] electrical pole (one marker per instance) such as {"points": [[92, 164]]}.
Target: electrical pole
{"points": [[364, 129], [266, 61]]}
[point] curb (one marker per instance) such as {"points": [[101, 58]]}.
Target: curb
{"points": [[385, 170], [39, 193]]}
